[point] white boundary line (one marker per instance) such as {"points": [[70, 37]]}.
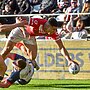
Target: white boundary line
{"points": [[44, 14], [5, 39]]}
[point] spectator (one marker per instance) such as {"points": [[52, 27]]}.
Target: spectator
{"points": [[18, 6], [47, 6], [61, 7], [35, 2], [80, 4], [65, 33], [8, 20], [74, 8], [35, 6], [24, 6], [86, 6], [7, 10], [79, 31], [13, 4], [86, 9]]}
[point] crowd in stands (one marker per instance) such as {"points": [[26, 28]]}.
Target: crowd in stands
{"points": [[44, 6], [73, 25]]}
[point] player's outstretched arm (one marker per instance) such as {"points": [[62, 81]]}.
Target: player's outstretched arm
{"points": [[9, 27], [64, 52]]}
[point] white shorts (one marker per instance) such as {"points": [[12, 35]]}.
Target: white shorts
{"points": [[16, 35]]}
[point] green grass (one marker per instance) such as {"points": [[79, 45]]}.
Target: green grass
{"points": [[53, 85]]}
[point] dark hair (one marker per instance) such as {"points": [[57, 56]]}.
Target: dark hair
{"points": [[52, 21], [21, 64]]}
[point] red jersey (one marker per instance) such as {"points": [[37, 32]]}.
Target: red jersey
{"points": [[36, 28]]}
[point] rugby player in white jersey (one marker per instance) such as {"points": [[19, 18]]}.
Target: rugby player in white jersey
{"points": [[22, 72]]}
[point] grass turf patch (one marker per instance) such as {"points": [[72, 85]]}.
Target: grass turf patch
{"points": [[53, 85]]}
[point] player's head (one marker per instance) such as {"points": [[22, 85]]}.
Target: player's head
{"points": [[52, 21], [19, 63], [51, 25]]}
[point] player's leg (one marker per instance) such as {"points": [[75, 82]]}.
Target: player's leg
{"points": [[21, 46], [6, 50], [3, 68], [32, 53], [8, 47]]}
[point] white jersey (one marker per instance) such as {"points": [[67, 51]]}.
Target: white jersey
{"points": [[27, 73]]}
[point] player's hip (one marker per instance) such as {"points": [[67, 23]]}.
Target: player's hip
{"points": [[16, 35]]}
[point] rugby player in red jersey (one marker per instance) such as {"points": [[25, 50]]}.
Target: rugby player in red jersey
{"points": [[35, 27]]}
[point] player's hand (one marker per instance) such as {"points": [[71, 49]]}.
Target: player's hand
{"points": [[35, 64], [71, 61], [21, 22], [37, 67]]}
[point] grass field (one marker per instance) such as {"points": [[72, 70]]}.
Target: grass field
{"points": [[53, 85]]}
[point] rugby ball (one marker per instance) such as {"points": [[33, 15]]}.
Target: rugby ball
{"points": [[74, 68]]}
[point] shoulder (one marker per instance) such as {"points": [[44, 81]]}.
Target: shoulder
{"points": [[55, 36]]}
